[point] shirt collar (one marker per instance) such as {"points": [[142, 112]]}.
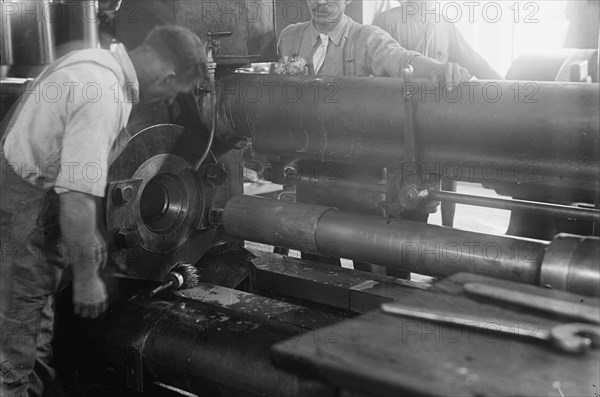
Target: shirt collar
{"points": [[335, 35], [132, 86]]}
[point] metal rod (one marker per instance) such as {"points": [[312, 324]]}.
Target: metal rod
{"points": [[89, 22], [570, 262], [342, 183], [565, 211], [6, 49], [416, 247], [427, 249], [45, 33]]}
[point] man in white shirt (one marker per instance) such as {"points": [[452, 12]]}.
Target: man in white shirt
{"points": [[56, 151]]}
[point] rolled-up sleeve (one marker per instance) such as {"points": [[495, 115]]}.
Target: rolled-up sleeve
{"points": [[384, 55], [92, 122]]}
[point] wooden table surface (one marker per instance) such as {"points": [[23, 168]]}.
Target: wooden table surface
{"points": [[382, 354]]}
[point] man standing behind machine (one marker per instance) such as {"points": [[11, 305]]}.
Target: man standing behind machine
{"points": [[55, 156], [335, 45], [413, 25], [418, 27]]}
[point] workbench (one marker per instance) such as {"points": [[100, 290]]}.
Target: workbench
{"points": [[382, 354]]}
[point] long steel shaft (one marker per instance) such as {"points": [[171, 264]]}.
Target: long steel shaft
{"points": [[416, 247]]}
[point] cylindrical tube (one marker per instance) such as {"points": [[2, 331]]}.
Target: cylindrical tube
{"points": [[196, 347], [282, 224], [6, 48], [428, 249], [542, 133], [45, 33], [572, 263], [90, 24], [493, 202], [420, 248]]}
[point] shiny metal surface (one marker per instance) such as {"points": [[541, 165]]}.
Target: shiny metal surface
{"points": [[45, 33], [277, 222], [572, 263], [6, 47], [416, 247], [522, 133], [564, 211], [165, 221], [90, 24]]}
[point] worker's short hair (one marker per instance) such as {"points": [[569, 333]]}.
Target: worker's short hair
{"points": [[180, 47]]}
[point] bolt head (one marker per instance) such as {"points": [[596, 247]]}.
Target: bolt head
{"points": [[123, 193], [127, 238]]}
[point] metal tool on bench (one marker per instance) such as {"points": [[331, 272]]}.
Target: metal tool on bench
{"points": [[568, 337], [576, 311]]}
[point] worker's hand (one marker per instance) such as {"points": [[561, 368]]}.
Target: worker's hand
{"points": [[89, 297], [450, 73]]}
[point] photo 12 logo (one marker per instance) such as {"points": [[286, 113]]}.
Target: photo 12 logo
{"points": [[474, 92], [471, 11]]}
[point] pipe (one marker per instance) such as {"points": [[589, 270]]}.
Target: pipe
{"points": [[565, 211], [427, 249], [416, 247], [90, 24], [6, 47], [412, 246], [571, 263], [45, 33], [537, 133], [196, 347]]}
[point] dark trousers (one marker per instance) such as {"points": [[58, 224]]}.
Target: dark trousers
{"points": [[30, 269]]}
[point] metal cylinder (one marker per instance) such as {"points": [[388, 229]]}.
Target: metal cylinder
{"points": [[416, 247], [90, 24], [196, 347], [506, 204], [428, 249], [572, 263], [486, 131], [6, 46], [46, 33], [282, 223]]}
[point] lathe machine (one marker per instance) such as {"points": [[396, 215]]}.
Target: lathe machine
{"points": [[265, 323]]}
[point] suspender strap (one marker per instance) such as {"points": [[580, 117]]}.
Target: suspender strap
{"points": [[298, 40], [350, 49]]}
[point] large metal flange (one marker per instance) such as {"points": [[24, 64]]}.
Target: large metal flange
{"points": [[156, 204]]}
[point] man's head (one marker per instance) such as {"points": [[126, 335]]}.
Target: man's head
{"points": [[326, 14], [169, 62]]}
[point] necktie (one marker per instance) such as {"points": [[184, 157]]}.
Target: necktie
{"points": [[319, 56]]}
